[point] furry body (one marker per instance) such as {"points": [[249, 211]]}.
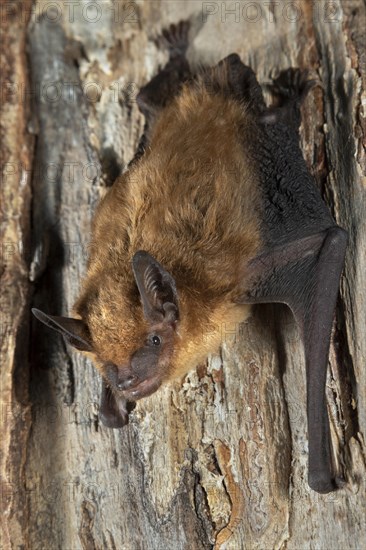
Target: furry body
{"points": [[185, 205]]}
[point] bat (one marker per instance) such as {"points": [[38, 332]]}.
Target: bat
{"points": [[217, 211]]}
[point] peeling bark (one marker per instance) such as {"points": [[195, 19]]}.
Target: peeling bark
{"points": [[218, 460]]}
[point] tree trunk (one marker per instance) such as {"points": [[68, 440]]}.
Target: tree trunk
{"points": [[220, 458]]}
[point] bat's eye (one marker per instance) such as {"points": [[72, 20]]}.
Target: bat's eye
{"points": [[155, 340]]}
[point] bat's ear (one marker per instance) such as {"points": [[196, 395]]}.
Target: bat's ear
{"points": [[157, 289], [74, 331]]}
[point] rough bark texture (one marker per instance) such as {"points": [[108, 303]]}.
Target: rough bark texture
{"points": [[221, 458]]}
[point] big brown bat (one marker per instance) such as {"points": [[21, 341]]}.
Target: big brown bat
{"points": [[217, 211]]}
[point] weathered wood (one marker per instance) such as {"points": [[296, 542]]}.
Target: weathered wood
{"points": [[16, 152], [220, 458]]}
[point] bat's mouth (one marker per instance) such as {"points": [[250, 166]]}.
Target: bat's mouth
{"points": [[142, 388]]}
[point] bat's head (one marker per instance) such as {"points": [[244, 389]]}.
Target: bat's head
{"points": [[129, 329]]}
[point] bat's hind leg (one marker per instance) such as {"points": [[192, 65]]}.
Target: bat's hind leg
{"points": [[240, 82], [290, 88], [161, 89], [167, 83]]}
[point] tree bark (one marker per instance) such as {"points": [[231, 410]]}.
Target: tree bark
{"points": [[220, 458]]}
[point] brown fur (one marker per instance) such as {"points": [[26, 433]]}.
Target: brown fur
{"points": [[192, 202]]}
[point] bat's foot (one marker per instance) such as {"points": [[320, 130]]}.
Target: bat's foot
{"points": [[291, 88], [167, 83], [175, 38], [293, 84]]}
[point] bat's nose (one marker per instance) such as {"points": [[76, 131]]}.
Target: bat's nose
{"points": [[127, 383]]}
